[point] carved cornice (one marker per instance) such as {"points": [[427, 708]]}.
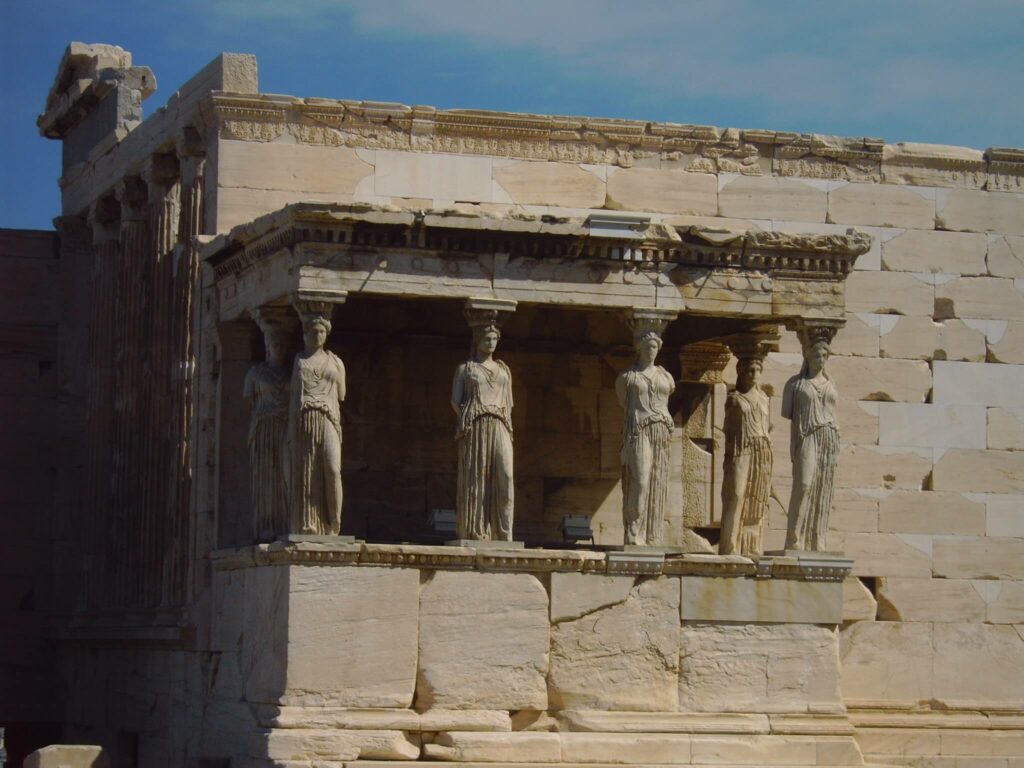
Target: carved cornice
{"points": [[453, 233], [703, 148], [526, 560]]}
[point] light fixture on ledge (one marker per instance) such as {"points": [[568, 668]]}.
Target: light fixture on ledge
{"points": [[442, 521], [577, 528]]}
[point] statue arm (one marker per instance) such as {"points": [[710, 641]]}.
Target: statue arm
{"points": [[787, 398], [458, 388], [249, 388], [294, 399], [341, 380], [508, 393], [620, 389]]}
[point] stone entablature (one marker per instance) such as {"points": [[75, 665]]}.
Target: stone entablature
{"points": [[623, 143], [543, 259]]}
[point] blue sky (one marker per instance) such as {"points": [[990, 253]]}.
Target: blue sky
{"points": [[903, 70]]}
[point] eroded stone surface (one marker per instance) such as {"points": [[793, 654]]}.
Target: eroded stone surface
{"points": [[624, 656], [938, 600], [758, 668], [483, 642], [575, 594], [536, 183], [333, 744], [646, 189], [369, 614], [886, 662], [758, 601], [518, 747], [978, 663]]}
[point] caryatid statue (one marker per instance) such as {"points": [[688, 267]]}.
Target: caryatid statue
{"points": [[267, 388], [809, 401], [643, 390], [482, 400], [314, 425], [747, 479]]}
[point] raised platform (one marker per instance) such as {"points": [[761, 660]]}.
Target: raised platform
{"points": [[350, 651]]}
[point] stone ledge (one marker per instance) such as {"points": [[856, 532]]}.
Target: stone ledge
{"points": [[807, 567]]}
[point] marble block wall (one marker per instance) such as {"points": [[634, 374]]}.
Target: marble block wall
{"points": [[384, 661], [929, 368]]}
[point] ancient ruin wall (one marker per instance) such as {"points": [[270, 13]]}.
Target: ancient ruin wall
{"points": [[929, 367]]}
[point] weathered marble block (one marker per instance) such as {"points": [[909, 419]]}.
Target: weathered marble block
{"points": [[620, 653], [759, 668], [758, 601], [483, 642], [330, 635]]}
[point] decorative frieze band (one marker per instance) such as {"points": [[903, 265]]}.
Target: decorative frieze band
{"points": [[699, 148], [811, 568]]}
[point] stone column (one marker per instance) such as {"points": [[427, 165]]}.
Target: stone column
{"points": [[185, 265], [132, 324], [160, 540], [643, 391], [267, 391], [701, 414], [104, 220], [747, 475], [482, 401], [809, 402], [318, 387]]}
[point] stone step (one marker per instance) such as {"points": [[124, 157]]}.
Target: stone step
{"points": [[302, 746]]}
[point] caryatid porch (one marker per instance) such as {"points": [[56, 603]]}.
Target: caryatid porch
{"points": [[399, 280], [483, 655]]}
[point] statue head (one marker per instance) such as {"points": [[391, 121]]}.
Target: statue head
{"points": [[815, 341], [485, 340], [815, 357], [276, 341], [647, 344], [748, 371], [314, 332]]}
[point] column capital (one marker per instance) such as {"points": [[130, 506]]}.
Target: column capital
{"points": [[104, 217], [704, 362], [485, 311], [189, 143], [754, 343], [812, 330], [273, 318], [72, 229], [160, 170], [317, 302], [133, 194], [649, 319]]}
